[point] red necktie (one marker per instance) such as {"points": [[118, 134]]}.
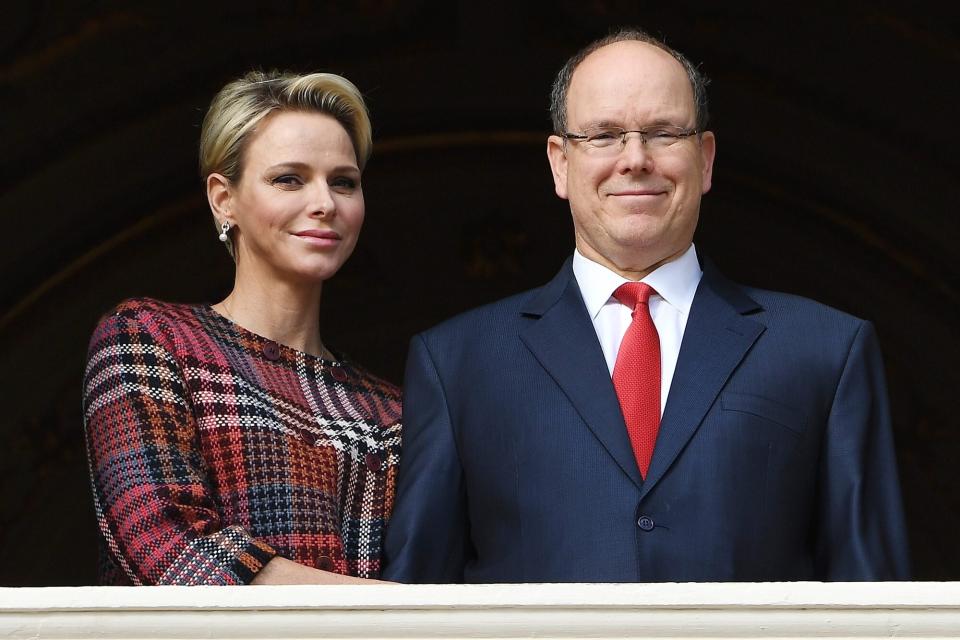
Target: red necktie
{"points": [[636, 374]]}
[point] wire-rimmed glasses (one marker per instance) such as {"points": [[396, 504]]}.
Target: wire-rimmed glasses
{"points": [[611, 140]]}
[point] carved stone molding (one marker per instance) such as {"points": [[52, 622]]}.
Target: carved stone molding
{"points": [[782, 610]]}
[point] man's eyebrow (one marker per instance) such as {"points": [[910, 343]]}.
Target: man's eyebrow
{"points": [[612, 124], [604, 124], [663, 121]]}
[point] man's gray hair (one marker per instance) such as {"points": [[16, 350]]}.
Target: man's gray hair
{"points": [[561, 85]]}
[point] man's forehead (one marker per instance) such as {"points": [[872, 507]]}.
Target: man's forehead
{"points": [[629, 71], [629, 59]]}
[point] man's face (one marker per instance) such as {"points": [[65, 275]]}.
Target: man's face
{"points": [[637, 207]]}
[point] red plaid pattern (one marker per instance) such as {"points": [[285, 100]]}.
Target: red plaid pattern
{"points": [[213, 449]]}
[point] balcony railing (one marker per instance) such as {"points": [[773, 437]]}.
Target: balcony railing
{"points": [[753, 610]]}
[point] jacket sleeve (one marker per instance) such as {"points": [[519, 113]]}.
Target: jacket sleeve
{"points": [[861, 533], [152, 498], [427, 538]]}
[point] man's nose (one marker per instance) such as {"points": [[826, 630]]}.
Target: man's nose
{"points": [[634, 153]]}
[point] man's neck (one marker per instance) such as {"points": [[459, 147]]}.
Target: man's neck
{"points": [[636, 268]]}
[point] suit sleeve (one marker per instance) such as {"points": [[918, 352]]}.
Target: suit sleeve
{"points": [[861, 533], [427, 538], [152, 498]]}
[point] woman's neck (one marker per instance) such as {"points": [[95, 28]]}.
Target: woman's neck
{"points": [[281, 311]]}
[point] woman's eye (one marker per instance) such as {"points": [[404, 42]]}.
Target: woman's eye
{"points": [[289, 180], [344, 183]]}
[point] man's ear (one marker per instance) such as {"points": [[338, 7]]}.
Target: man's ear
{"points": [[557, 155], [219, 195], [708, 151]]}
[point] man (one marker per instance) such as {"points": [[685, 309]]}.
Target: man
{"points": [[685, 428]]}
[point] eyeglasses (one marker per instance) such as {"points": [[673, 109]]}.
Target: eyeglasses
{"points": [[611, 140]]}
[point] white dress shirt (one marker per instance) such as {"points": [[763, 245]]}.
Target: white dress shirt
{"points": [[675, 284]]}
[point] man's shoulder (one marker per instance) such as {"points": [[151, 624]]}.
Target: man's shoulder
{"points": [[769, 305], [790, 304], [802, 315], [493, 316]]}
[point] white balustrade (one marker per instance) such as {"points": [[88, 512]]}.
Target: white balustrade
{"points": [[744, 610]]}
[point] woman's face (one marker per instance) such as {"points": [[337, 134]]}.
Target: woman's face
{"points": [[298, 206]]}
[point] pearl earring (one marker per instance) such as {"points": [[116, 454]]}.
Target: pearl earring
{"points": [[224, 228]]}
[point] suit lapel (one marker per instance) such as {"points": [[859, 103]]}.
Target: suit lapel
{"points": [[716, 339], [563, 340]]}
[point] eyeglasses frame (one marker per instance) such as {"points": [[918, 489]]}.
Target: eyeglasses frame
{"points": [[582, 137]]}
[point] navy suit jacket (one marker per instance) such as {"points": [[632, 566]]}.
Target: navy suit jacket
{"points": [[774, 460]]}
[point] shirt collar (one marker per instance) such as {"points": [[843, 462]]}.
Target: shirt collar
{"points": [[676, 281]]}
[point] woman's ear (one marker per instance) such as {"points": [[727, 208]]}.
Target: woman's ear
{"points": [[219, 195]]}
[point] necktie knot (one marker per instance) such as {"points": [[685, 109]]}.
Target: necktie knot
{"points": [[632, 294]]}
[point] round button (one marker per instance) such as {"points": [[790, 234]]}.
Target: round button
{"points": [[271, 351], [373, 461], [338, 374], [646, 523], [325, 563]]}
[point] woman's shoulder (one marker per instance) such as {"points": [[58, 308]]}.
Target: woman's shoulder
{"points": [[149, 312], [146, 308], [160, 320]]}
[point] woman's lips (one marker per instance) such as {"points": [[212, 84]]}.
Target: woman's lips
{"points": [[319, 237]]}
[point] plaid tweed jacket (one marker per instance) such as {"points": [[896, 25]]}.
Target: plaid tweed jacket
{"points": [[212, 449]]}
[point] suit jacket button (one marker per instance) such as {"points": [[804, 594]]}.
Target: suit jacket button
{"points": [[271, 351], [646, 523]]}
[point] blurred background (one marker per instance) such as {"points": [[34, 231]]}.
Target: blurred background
{"points": [[835, 179]]}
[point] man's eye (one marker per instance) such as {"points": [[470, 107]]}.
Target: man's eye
{"points": [[662, 134], [604, 136]]}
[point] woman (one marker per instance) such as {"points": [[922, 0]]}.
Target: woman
{"points": [[227, 443]]}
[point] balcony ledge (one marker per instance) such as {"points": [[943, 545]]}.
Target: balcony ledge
{"points": [[728, 610]]}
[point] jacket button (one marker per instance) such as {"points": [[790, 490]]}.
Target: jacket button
{"points": [[271, 351], [338, 374], [325, 563], [646, 523], [373, 461]]}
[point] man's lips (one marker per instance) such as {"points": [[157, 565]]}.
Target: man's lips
{"points": [[636, 191]]}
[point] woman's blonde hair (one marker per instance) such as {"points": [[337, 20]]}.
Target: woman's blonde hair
{"points": [[237, 109]]}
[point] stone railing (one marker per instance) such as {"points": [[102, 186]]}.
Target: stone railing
{"points": [[781, 610]]}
